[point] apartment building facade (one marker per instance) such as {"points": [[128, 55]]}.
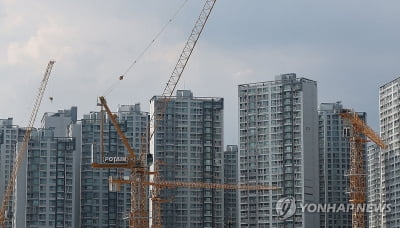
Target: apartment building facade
{"points": [[383, 166], [10, 135], [278, 124], [49, 183], [45, 185], [189, 142]]}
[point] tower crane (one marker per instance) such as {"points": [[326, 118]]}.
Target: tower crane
{"points": [[138, 164], [358, 132], [23, 149]]}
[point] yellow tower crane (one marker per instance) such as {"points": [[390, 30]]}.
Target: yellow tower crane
{"points": [[139, 179], [358, 133], [138, 165], [23, 149]]}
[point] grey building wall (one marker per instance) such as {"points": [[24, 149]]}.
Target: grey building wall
{"points": [[75, 132], [99, 206], [60, 121], [278, 124], [49, 180], [310, 148], [189, 140], [231, 177], [19, 215]]}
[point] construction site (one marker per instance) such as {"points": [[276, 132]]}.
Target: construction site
{"points": [[174, 166]]}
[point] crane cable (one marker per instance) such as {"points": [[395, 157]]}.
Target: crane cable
{"points": [[120, 78]]}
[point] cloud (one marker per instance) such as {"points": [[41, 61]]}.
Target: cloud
{"points": [[243, 73], [49, 42], [11, 22]]}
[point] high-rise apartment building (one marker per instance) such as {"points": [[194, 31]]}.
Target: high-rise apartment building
{"points": [[384, 164], [189, 142], [334, 164], [49, 183], [9, 137], [99, 206], [8, 141], [278, 123], [45, 186]]}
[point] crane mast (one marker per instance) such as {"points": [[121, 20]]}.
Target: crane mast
{"points": [[23, 149], [358, 133]]}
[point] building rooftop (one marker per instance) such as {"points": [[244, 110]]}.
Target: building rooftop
{"points": [[6, 122], [278, 79]]}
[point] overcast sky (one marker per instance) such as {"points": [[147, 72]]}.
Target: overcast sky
{"points": [[349, 47]]}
